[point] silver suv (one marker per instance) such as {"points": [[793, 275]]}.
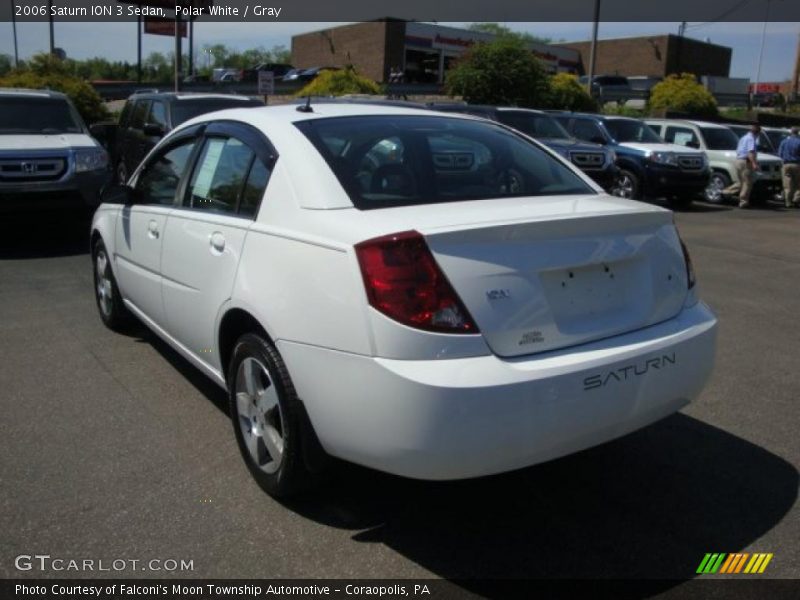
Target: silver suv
{"points": [[719, 143], [47, 157]]}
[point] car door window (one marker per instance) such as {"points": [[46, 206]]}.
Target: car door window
{"points": [[588, 131], [158, 114], [158, 181], [139, 115], [218, 180], [682, 136]]}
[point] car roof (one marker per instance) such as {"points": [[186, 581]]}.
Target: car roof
{"points": [[186, 96], [31, 93], [704, 124]]}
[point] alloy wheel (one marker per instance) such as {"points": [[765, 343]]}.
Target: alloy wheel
{"points": [[103, 283]]}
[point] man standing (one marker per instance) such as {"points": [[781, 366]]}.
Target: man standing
{"points": [[746, 163], [789, 151]]}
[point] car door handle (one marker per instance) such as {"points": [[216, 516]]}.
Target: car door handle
{"points": [[152, 229], [217, 242]]}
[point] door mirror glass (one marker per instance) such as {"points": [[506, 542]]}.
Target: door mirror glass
{"points": [[118, 194]]}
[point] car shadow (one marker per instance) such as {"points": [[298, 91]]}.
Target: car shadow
{"points": [[44, 235], [647, 506]]}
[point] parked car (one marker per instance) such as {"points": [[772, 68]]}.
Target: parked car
{"points": [[146, 118], [308, 74], [278, 70], [609, 87], [226, 74], [597, 161], [764, 143], [47, 157], [648, 166], [776, 135], [719, 143], [427, 294]]}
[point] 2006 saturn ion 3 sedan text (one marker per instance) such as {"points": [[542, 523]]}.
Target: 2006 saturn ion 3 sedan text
{"points": [[427, 294]]}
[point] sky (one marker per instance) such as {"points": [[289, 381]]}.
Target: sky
{"points": [[117, 41]]}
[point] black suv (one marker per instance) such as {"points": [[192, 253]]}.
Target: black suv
{"points": [[597, 161], [148, 117], [649, 167]]}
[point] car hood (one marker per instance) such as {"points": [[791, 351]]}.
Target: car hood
{"points": [[58, 141], [570, 145], [655, 147]]}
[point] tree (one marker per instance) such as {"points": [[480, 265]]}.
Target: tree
{"points": [[6, 64], [567, 94], [683, 93], [501, 30], [502, 71], [339, 83]]}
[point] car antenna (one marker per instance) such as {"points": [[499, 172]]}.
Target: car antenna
{"points": [[307, 107]]}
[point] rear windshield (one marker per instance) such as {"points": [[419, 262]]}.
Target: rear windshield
{"points": [[405, 160], [183, 110], [31, 114], [532, 124], [718, 138], [630, 130]]}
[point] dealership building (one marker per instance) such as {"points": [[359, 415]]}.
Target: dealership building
{"points": [[424, 51], [654, 56]]}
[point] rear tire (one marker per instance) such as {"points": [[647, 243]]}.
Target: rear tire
{"points": [[273, 432]]}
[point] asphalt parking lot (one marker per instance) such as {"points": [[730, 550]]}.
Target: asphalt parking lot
{"points": [[113, 447]]}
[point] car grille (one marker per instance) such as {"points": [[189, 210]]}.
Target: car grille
{"points": [[588, 160], [21, 170], [690, 163]]}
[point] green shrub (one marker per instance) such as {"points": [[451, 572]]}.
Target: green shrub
{"points": [[339, 83], [51, 73], [567, 93], [683, 93], [503, 71]]}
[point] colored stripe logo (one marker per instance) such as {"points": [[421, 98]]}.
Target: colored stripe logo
{"points": [[741, 562]]}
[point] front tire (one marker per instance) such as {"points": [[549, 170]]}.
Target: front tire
{"points": [[269, 421], [714, 190], [627, 185], [106, 292]]}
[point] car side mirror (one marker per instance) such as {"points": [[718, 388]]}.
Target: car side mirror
{"points": [[693, 144], [118, 194], [153, 130], [598, 139]]}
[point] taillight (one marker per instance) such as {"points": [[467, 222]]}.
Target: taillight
{"points": [[403, 281], [689, 267]]}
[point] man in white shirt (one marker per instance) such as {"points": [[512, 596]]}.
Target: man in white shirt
{"points": [[746, 163]]}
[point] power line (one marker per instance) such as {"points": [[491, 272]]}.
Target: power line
{"points": [[732, 9]]}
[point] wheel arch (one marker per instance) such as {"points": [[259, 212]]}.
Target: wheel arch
{"points": [[233, 324]]}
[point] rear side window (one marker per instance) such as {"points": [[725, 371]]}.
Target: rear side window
{"points": [[405, 160]]}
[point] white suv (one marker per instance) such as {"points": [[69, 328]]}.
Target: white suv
{"points": [[431, 295], [719, 143], [47, 157]]}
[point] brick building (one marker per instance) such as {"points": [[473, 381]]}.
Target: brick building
{"points": [[423, 50], [654, 56]]}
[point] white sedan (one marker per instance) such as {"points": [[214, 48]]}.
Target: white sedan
{"points": [[427, 294]]}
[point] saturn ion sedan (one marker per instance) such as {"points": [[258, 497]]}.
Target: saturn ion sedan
{"points": [[427, 294]]}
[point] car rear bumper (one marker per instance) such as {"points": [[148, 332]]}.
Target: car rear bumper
{"points": [[460, 418]]}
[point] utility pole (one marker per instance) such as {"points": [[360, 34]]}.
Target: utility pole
{"points": [[52, 32], [682, 29], [796, 76], [14, 28], [593, 51], [178, 52], [139, 48], [754, 96]]}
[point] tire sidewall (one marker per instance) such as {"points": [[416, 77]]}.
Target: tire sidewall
{"points": [[116, 319], [285, 480]]}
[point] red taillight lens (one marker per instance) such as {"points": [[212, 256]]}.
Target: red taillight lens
{"points": [[404, 282]]}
